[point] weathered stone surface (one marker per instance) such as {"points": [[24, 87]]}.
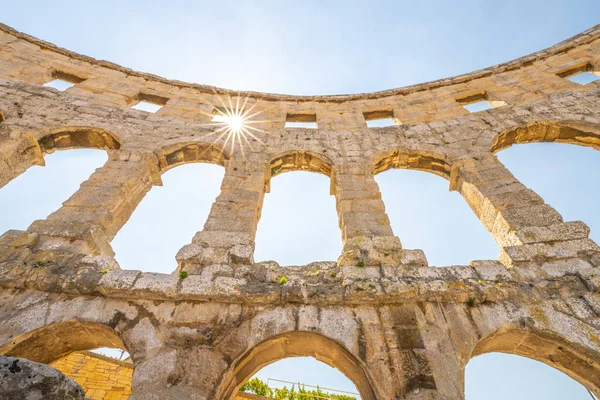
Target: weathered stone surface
{"points": [[28, 380], [395, 326]]}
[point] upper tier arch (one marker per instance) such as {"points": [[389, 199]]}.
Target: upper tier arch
{"points": [[570, 132], [78, 138], [411, 159], [190, 152]]}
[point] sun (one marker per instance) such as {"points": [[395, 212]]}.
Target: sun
{"points": [[233, 121], [236, 122]]}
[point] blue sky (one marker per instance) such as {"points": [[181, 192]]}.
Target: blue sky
{"points": [[317, 47]]}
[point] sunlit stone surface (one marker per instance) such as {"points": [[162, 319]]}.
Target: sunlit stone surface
{"points": [[396, 327]]}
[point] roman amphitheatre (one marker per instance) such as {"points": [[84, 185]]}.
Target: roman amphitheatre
{"points": [[396, 327]]}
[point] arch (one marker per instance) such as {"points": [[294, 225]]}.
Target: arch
{"points": [[299, 344], [411, 159], [581, 364], [78, 138], [53, 341], [571, 132], [300, 160], [173, 155]]}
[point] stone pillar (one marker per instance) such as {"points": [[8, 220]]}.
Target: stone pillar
{"points": [[89, 220], [17, 155], [366, 232], [421, 361], [230, 230], [169, 365], [519, 220]]}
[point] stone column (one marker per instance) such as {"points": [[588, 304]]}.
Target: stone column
{"points": [[366, 232], [519, 220], [230, 230], [17, 154], [89, 220]]}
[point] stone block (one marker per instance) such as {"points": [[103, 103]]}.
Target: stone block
{"points": [[491, 270], [24, 379]]}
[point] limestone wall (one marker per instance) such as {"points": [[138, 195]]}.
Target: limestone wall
{"points": [[397, 327], [103, 378]]}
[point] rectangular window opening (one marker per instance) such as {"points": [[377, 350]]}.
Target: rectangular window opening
{"points": [[306, 121], [220, 114], [63, 80], [479, 102], [581, 74], [380, 119], [150, 103], [583, 78]]}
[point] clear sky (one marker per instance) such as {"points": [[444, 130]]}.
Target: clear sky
{"points": [[318, 47]]}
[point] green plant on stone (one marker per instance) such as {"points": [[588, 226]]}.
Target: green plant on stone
{"points": [[283, 280], [471, 302], [360, 264], [183, 275], [105, 271]]}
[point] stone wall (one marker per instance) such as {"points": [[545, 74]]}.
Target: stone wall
{"points": [[103, 378], [397, 327]]}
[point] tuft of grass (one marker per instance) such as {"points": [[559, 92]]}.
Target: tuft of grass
{"points": [[361, 264], [283, 280], [183, 275], [471, 302]]}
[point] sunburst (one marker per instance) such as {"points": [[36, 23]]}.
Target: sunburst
{"points": [[234, 121]]}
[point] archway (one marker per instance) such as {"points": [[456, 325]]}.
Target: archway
{"points": [[291, 377], [170, 215], [579, 363], [424, 214], [78, 138], [56, 182], [53, 341], [298, 223], [61, 177], [571, 132], [66, 346], [563, 175], [298, 344], [487, 375]]}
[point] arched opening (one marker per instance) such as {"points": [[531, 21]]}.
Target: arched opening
{"points": [[549, 366], [41, 190], [169, 215], [425, 215], [69, 347], [167, 218], [564, 176], [53, 341], [298, 344], [185, 153], [300, 375], [298, 223], [569, 132], [487, 375], [78, 138], [61, 177]]}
